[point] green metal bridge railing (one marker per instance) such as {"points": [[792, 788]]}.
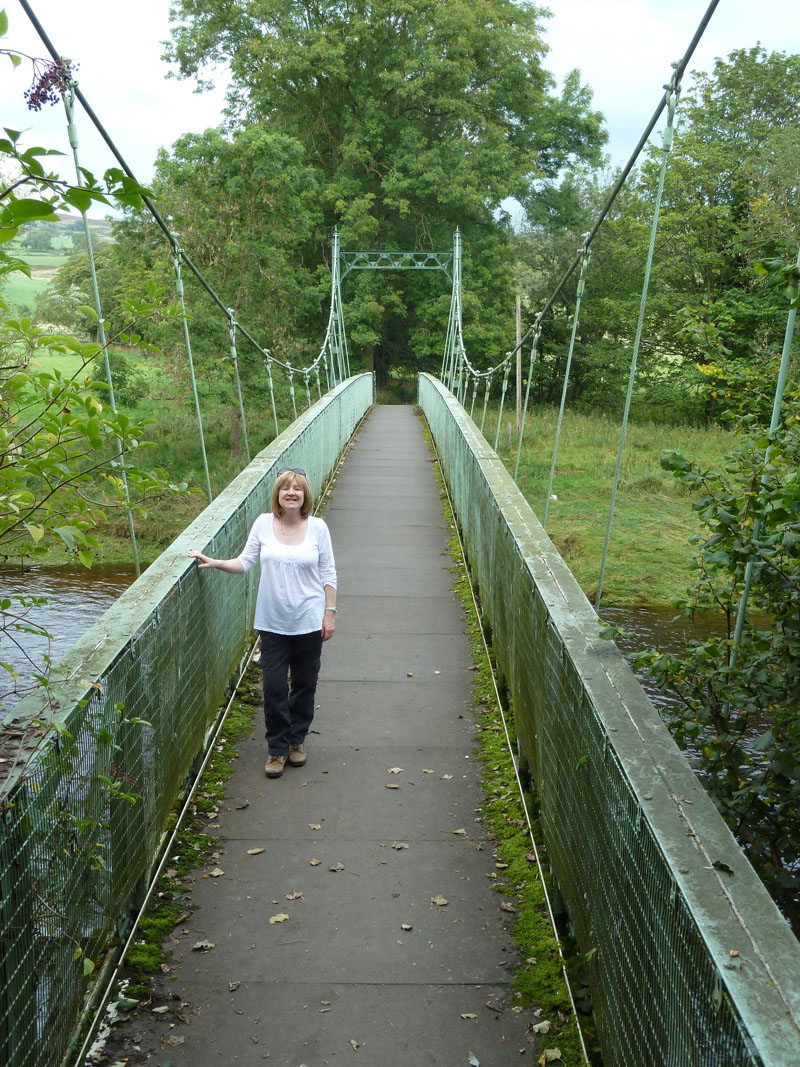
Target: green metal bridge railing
{"points": [[76, 856], [691, 963]]}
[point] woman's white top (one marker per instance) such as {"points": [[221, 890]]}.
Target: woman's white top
{"points": [[291, 593]]}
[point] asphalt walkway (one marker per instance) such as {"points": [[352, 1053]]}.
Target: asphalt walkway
{"points": [[365, 844]]}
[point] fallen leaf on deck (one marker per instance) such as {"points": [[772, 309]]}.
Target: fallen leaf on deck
{"points": [[446, 777], [410, 674], [280, 918], [439, 900], [395, 770], [406, 926], [203, 946], [127, 1003], [294, 895], [255, 851], [315, 826], [216, 873], [505, 906], [392, 786], [174, 1040], [428, 770], [355, 1044], [468, 1015], [461, 833], [315, 863], [399, 844], [473, 1060], [233, 986], [337, 867]]}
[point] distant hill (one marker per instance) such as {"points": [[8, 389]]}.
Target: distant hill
{"points": [[46, 246]]}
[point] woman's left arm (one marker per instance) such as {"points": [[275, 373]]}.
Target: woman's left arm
{"points": [[329, 618], [327, 573]]}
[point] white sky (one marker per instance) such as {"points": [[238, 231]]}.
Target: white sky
{"points": [[624, 49]]}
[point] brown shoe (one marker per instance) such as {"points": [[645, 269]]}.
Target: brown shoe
{"points": [[273, 768], [297, 755]]}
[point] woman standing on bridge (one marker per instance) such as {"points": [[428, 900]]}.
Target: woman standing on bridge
{"points": [[295, 611]]}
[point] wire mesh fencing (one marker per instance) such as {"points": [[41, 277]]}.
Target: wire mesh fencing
{"points": [[89, 783], [691, 963]]}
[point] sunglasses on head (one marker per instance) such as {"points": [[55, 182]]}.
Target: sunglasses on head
{"points": [[292, 470]]}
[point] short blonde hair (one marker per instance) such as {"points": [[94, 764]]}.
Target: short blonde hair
{"points": [[285, 478]]}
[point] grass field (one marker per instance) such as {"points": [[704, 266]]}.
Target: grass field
{"points": [[20, 292], [649, 550]]}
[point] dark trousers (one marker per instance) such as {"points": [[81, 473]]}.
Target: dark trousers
{"points": [[288, 711]]}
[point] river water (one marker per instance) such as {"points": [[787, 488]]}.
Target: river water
{"points": [[76, 597]]}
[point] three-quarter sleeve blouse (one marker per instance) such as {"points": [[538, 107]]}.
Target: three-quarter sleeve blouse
{"points": [[291, 592]]}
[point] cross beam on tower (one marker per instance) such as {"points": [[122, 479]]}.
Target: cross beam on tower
{"points": [[396, 261]]}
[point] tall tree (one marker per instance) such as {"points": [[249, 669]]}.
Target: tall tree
{"points": [[418, 117], [731, 195], [731, 198]]}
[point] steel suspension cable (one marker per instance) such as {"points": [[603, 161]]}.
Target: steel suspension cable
{"points": [[147, 200], [503, 390], [668, 142], [537, 336], [235, 362], [679, 69], [176, 262], [72, 133], [586, 255], [777, 405]]}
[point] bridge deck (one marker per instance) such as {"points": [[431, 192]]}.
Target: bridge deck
{"points": [[394, 693]]}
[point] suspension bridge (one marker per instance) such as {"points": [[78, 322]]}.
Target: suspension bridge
{"points": [[394, 947]]}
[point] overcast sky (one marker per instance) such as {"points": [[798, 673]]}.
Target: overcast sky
{"points": [[623, 48]]}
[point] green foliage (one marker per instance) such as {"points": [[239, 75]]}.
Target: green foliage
{"points": [[60, 447], [724, 255], [539, 978], [129, 384], [737, 715], [415, 118], [169, 903]]}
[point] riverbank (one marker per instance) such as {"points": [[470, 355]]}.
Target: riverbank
{"points": [[650, 551]]}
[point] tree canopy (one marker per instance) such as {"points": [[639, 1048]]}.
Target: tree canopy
{"points": [[730, 201], [416, 118]]}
